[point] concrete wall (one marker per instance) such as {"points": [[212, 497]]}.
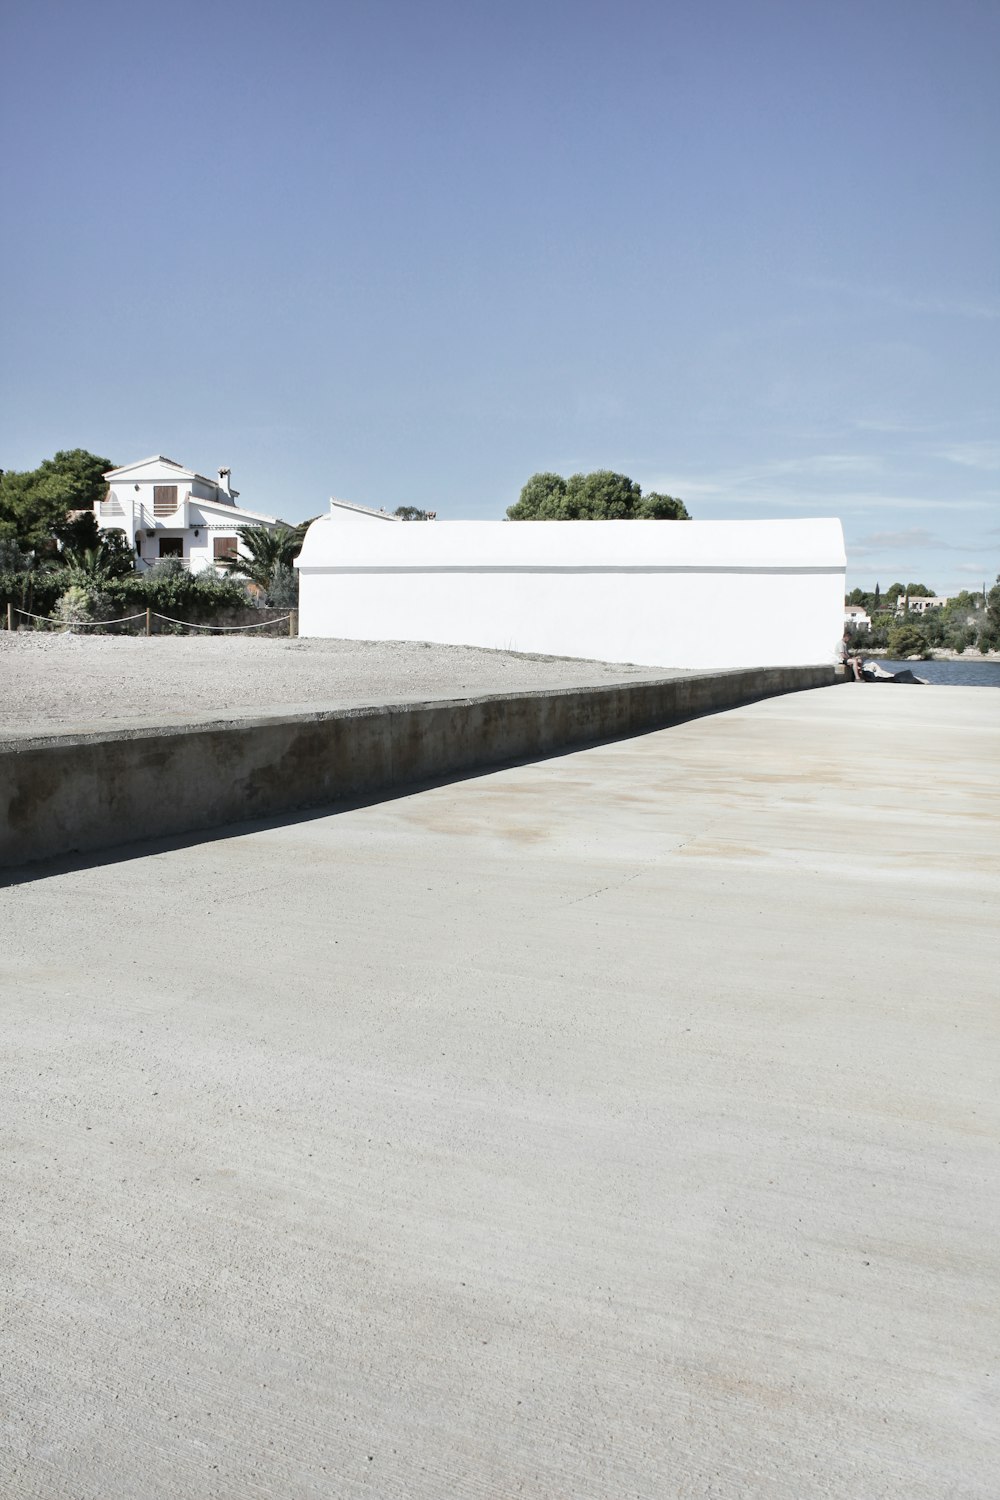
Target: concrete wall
{"points": [[702, 595], [67, 792]]}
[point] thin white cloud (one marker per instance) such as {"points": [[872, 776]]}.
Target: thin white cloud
{"points": [[951, 307], [877, 424], [823, 464], [972, 455], [916, 537], [769, 481], [874, 501], [689, 488]]}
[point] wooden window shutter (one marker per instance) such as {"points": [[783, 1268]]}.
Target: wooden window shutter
{"points": [[164, 499]]}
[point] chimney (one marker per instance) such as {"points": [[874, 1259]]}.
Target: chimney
{"points": [[224, 481]]}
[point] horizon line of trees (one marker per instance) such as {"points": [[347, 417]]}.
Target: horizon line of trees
{"points": [[969, 619]]}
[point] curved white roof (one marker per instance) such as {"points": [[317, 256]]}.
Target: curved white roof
{"points": [[695, 545]]}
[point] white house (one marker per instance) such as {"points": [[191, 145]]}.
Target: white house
{"points": [[696, 594], [858, 616], [166, 510]]}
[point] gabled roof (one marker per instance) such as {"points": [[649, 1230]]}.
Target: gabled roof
{"points": [[228, 508], [237, 512], [154, 458], [361, 510], [158, 458]]}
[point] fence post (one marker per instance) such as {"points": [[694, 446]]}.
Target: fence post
{"points": [[149, 620], [293, 622], [10, 615]]}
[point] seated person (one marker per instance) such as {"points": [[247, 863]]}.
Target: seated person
{"points": [[852, 664]]}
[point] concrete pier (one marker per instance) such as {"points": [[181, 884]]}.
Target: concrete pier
{"points": [[623, 1124], [78, 789]]}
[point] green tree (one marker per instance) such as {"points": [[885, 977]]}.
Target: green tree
{"points": [[656, 507], [80, 532], [600, 496], [542, 499], [13, 558], [907, 640], [411, 513], [882, 623], [989, 631], [269, 550], [35, 504], [108, 556], [933, 625]]}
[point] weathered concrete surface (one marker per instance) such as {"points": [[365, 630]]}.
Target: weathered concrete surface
{"points": [[66, 791], [622, 1125]]}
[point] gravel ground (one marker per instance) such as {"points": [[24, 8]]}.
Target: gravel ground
{"points": [[63, 680]]}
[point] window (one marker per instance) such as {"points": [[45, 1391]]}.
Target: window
{"points": [[164, 499], [171, 546], [222, 546]]}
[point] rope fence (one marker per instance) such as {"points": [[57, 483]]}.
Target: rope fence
{"points": [[149, 615], [263, 624], [76, 624]]}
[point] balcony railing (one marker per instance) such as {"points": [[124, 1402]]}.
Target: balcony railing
{"points": [[147, 515], [150, 562]]}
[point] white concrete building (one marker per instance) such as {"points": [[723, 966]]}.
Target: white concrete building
{"points": [[696, 594], [166, 510], [858, 616]]}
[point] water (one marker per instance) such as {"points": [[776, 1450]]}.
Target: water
{"points": [[949, 673]]}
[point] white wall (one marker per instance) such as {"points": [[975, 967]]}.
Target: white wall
{"points": [[697, 594]]}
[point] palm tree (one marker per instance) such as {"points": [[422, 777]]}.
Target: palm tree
{"points": [[88, 565], [268, 550]]}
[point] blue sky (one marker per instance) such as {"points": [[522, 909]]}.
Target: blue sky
{"points": [[746, 252]]}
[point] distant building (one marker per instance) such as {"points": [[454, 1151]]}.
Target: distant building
{"points": [[166, 511], [919, 604], [346, 510], [858, 616]]}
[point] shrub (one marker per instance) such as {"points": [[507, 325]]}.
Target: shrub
{"points": [[35, 592], [169, 589], [283, 592], [907, 640], [79, 605]]}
